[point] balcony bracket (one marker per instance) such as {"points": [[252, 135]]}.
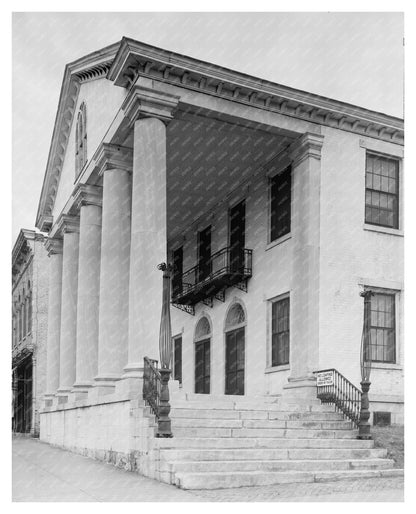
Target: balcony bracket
{"points": [[208, 301], [242, 285], [190, 309], [220, 296]]}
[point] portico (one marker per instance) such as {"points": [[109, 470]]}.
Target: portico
{"points": [[220, 175]]}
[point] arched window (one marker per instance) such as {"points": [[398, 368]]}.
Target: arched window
{"points": [[81, 139], [24, 312], [235, 316], [235, 350], [202, 356]]}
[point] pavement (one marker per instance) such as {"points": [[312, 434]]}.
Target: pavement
{"points": [[42, 473]]}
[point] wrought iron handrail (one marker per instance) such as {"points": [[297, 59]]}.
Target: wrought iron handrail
{"points": [[220, 262], [151, 385], [334, 388]]}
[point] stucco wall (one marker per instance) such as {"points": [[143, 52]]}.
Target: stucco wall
{"points": [[103, 101], [349, 256]]}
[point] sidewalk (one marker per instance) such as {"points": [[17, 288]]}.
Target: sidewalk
{"points": [[42, 473]]}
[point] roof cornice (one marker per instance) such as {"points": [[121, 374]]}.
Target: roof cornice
{"points": [[136, 59], [89, 67]]}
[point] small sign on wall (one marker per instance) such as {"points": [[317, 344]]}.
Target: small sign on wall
{"points": [[325, 378]]}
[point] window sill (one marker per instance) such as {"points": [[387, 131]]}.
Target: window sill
{"points": [[386, 365], [275, 369], [278, 241], [383, 230]]}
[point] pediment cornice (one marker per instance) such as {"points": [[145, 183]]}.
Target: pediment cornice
{"points": [[87, 68], [136, 59]]}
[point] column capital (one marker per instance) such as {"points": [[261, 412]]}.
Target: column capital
{"points": [[307, 146], [53, 245], [142, 102], [86, 194], [110, 157], [67, 224]]}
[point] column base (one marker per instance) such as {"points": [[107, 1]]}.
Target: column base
{"points": [[48, 399], [103, 385], [300, 388], [80, 390], [62, 395]]}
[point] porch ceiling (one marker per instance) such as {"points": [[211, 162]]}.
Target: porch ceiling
{"points": [[207, 159]]}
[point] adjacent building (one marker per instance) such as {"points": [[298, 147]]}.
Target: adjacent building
{"points": [[30, 281], [275, 208]]}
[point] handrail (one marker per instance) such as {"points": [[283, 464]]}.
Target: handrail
{"points": [[332, 387], [151, 385]]}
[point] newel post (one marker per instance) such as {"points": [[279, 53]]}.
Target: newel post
{"points": [[365, 363], [165, 350]]}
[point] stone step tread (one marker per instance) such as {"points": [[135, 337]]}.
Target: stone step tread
{"points": [[262, 432], [261, 424], [275, 465], [201, 454], [250, 442], [177, 413], [226, 480]]}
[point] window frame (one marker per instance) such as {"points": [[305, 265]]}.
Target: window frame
{"points": [[397, 213], [270, 368], [271, 179], [396, 307]]}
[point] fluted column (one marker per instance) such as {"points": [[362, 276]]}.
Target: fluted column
{"points": [[69, 227], [115, 166], [87, 200], [149, 111], [54, 249], [304, 337]]}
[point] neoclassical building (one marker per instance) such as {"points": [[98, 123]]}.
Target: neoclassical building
{"points": [[30, 281], [275, 208]]}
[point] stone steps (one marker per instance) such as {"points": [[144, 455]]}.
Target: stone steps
{"points": [[265, 454], [225, 480], [250, 442], [259, 424], [275, 465], [262, 432], [223, 442]]}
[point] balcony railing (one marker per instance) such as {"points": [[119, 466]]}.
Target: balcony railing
{"points": [[225, 268]]}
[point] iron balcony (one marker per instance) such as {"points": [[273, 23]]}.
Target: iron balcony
{"points": [[225, 268]]}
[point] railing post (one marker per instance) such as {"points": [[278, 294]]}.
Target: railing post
{"points": [[365, 361], [165, 349]]}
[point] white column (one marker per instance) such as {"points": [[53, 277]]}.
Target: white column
{"points": [[115, 163], [54, 248], [69, 226], [148, 242], [88, 201], [306, 172]]}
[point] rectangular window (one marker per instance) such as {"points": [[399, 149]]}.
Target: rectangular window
{"points": [[204, 254], [177, 272], [280, 332], [383, 328], [177, 359], [382, 191], [280, 201]]}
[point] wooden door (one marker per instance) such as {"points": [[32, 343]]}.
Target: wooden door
{"points": [[237, 236], [202, 366], [235, 361]]}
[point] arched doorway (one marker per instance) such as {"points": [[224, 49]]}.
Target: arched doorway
{"points": [[235, 350], [202, 342]]}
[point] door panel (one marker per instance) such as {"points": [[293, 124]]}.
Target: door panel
{"points": [[235, 361], [202, 367]]}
